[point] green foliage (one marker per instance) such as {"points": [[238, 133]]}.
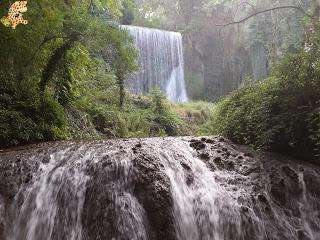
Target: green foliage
{"points": [[195, 117], [23, 118], [128, 12], [141, 117], [17, 128], [160, 118], [60, 68], [280, 113]]}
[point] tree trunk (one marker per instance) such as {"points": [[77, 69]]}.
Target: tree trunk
{"points": [[316, 10], [121, 91]]}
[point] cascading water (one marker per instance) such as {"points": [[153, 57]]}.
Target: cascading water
{"points": [[152, 189], [201, 209], [52, 206], [161, 63]]}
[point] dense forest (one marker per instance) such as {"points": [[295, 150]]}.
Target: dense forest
{"points": [[160, 120], [253, 65]]}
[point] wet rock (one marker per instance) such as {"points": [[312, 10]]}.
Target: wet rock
{"points": [[265, 202], [212, 166], [185, 166], [143, 181], [225, 149], [290, 172], [244, 209], [263, 193], [210, 141], [153, 191], [188, 173], [226, 155], [293, 185], [14, 174], [250, 155], [230, 165], [218, 162], [198, 145], [46, 159], [302, 235], [189, 179], [28, 178], [2, 206], [312, 182], [204, 156], [135, 150], [277, 191]]}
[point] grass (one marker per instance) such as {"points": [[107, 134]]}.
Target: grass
{"points": [[195, 116]]}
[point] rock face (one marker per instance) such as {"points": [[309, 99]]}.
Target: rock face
{"points": [[172, 188]]}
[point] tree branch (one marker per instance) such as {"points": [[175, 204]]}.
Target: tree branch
{"points": [[263, 11], [45, 41]]}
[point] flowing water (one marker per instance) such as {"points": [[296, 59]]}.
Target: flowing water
{"points": [[52, 206], [137, 189], [202, 209], [161, 63]]}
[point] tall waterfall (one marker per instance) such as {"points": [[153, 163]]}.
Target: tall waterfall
{"points": [[161, 63]]}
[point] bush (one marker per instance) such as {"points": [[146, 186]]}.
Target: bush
{"points": [[281, 113], [195, 116], [161, 119], [16, 128], [149, 116], [24, 118]]}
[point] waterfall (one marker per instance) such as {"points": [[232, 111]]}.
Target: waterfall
{"points": [[52, 206], [161, 63], [173, 189]]}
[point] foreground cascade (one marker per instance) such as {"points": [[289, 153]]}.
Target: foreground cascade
{"points": [[161, 63], [155, 189]]}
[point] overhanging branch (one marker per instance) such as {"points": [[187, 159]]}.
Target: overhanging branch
{"points": [[264, 11]]}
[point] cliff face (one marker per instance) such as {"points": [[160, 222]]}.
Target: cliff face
{"points": [[171, 188], [221, 61]]}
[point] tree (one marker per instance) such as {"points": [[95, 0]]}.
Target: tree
{"points": [[51, 64], [127, 12]]}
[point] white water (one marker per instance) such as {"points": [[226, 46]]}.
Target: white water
{"points": [[93, 185], [203, 209], [52, 205], [51, 208], [161, 63]]}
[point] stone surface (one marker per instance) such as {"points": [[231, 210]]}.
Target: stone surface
{"points": [[279, 191]]}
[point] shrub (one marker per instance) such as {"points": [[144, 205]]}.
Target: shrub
{"points": [[23, 117], [16, 128], [161, 119], [280, 113]]}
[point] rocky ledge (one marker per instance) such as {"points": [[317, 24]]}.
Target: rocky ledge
{"points": [[281, 193]]}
